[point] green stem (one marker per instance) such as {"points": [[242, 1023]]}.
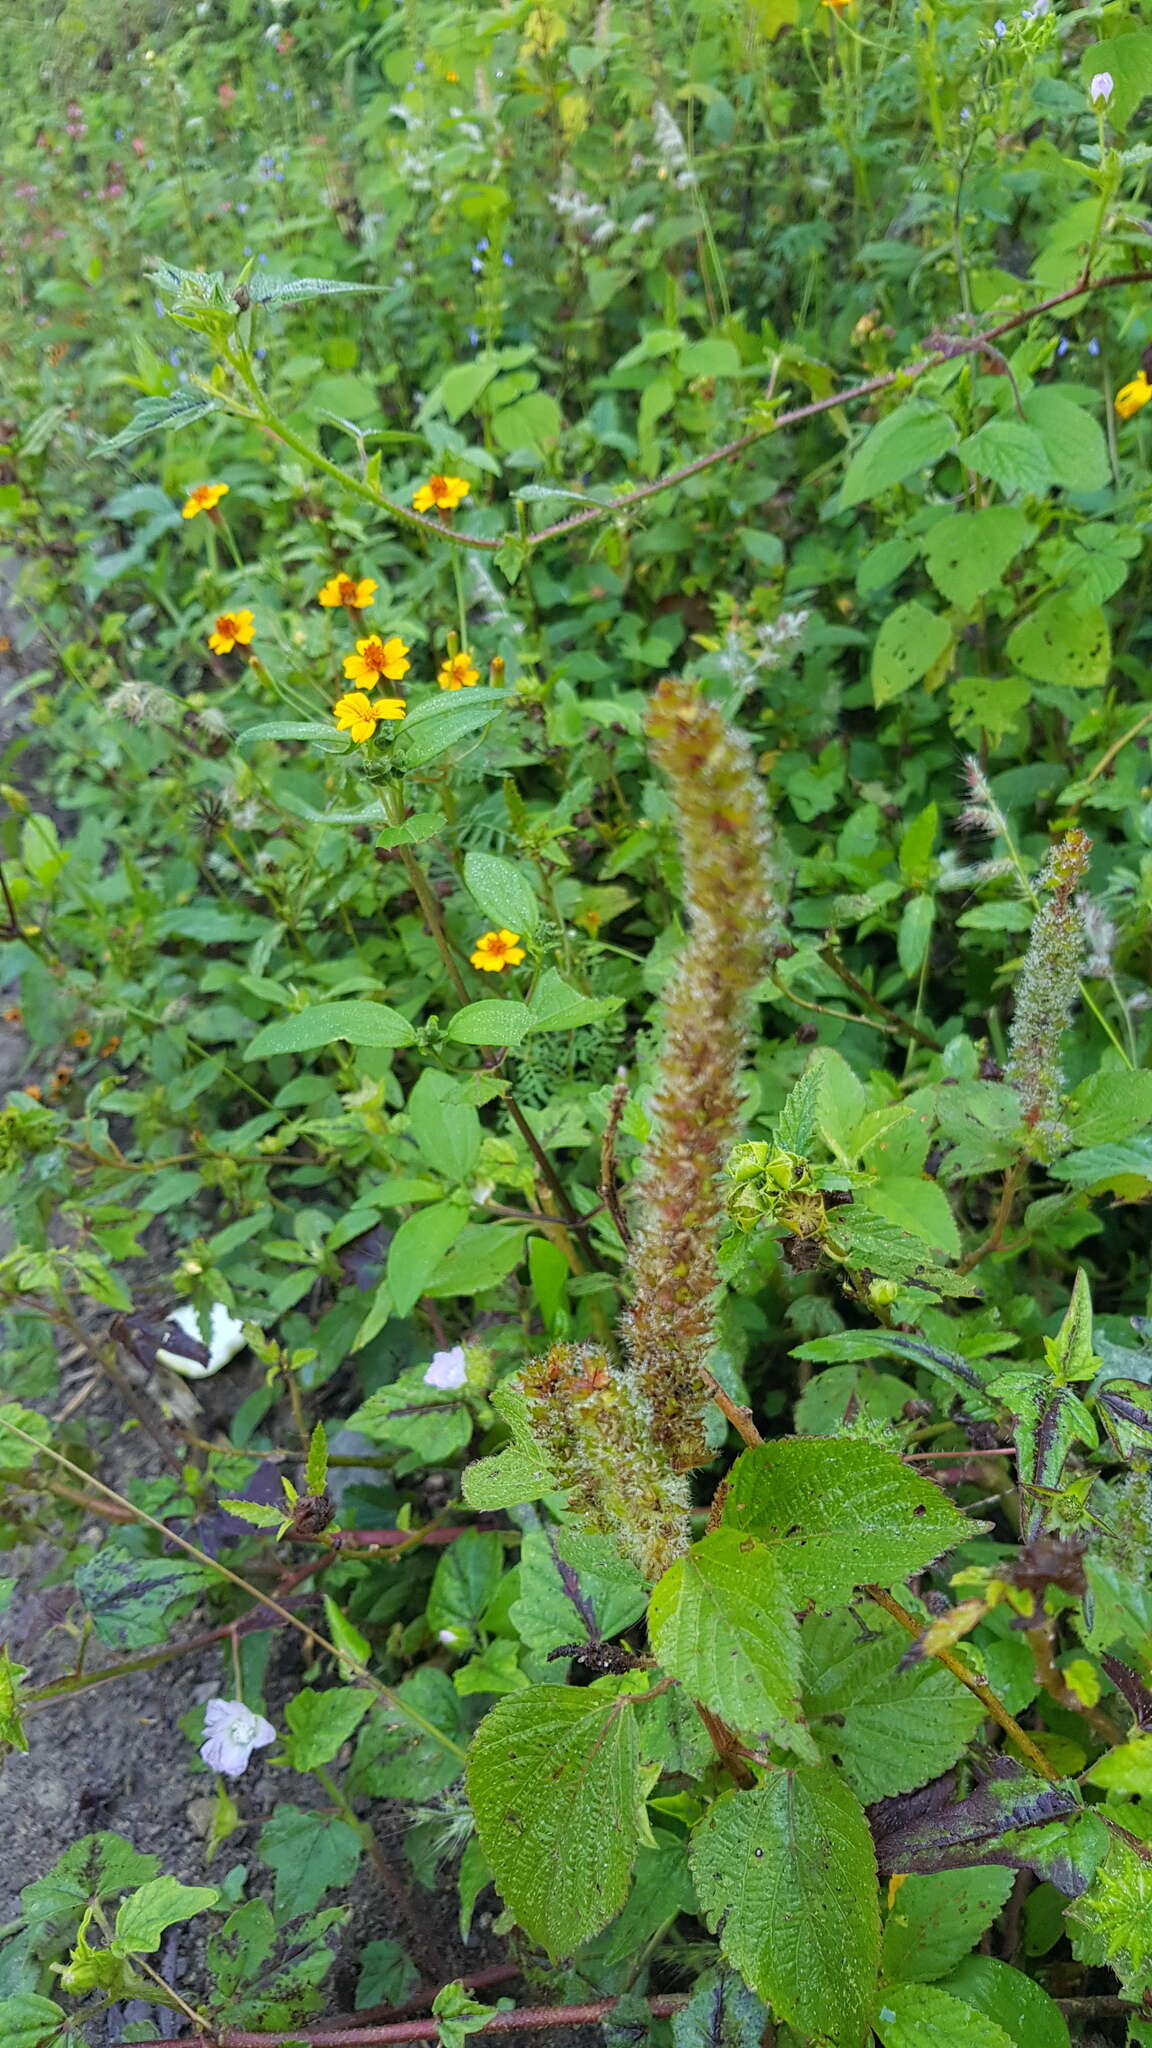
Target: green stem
{"points": [[213, 1564]]}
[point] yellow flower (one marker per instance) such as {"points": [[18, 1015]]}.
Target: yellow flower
{"points": [[443, 492], [355, 713], [202, 498], [233, 629], [375, 658], [1132, 396], [357, 595], [457, 673], [497, 950]]}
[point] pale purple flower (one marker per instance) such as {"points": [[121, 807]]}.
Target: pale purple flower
{"points": [[232, 1731], [1100, 89], [448, 1369]]}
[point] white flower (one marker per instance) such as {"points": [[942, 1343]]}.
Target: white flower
{"points": [[225, 1340], [232, 1731], [1100, 89], [448, 1369]]}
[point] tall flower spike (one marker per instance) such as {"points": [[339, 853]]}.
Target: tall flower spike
{"points": [[590, 1422], [729, 893], [1046, 992]]}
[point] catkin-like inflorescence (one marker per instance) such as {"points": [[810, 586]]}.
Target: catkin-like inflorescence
{"points": [[1049, 980], [589, 1421], [728, 890]]}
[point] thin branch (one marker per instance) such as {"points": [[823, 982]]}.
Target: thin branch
{"points": [[984, 1693], [907, 374], [896, 1022], [520, 2021]]}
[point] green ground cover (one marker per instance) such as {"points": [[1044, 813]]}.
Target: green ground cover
{"points": [[577, 874]]}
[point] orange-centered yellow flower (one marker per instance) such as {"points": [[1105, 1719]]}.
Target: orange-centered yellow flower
{"points": [[357, 714], [496, 951], [443, 493], [1131, 397], [375, 658], [457, 673], [233, 629], [356, 594], [202, 498]]}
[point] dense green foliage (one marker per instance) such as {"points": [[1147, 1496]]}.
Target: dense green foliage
{"points": [[794, 350]]}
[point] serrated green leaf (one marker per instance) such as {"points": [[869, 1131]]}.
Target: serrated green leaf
{"points": [[888, 1730], [320, 1723], [261, 1514], [93, 1868], [721, 1621], [1056, 643], [934, 1921], [574, 1587], [839, 1514], [358, 1023], [796, 1123], [501, 891], [158, 416], [28, 2021], [309, 1852], [786, 1875], [509, 1480], [145, 1915], [554, 1782], [967, 553], [909, 440]]}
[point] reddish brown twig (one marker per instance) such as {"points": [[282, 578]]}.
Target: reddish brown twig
{"points": [[520, 2021]]}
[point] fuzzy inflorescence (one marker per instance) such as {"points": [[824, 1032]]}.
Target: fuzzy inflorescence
{"points": [[590, 1421], [728, 888], [1049, 981]]}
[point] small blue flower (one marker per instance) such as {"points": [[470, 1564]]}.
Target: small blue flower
{"points": [[1063, 346], [999, 28], [476, 264], [506, 260], [1093, 347]]}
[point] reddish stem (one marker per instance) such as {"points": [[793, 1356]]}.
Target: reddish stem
{"points": [[520, 2021]]}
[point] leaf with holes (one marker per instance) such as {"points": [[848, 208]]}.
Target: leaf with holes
{"points": [[888, 1730], [786, 1875], [840, 1514], [910, 642]]}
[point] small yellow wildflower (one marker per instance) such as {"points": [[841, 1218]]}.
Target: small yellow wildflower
{"points": [[233, 629], [1131, 397], [496, 951], [837, 6], [203, 498], [442, 492], [457, 673], [375, 658], [357, 594], [355, 713], [81, 1040]]}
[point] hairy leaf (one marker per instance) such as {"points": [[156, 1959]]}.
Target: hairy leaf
{"points": [[787, 1877], [840, 1514], [721, 1621], [554, 1781]]}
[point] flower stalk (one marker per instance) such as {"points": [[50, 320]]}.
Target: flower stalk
{"points": [[724, 835]]}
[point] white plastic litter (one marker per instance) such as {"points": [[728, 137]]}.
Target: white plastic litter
{"points": [[226, 1340]]}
